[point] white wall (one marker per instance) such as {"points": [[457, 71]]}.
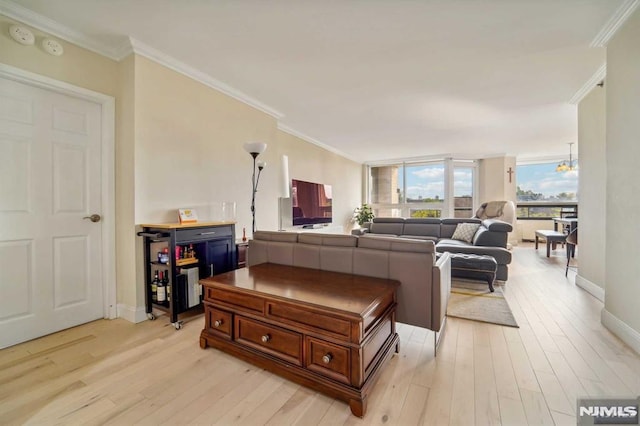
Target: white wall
{"points": [[189, 152], [494, 180], [494, 184], [623, 178], [592, 187], [313, 164]]}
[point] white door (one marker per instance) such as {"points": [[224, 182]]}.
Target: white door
{"points": [[50, 171]]}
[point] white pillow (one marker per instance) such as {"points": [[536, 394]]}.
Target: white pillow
{"points": [[465, 231]]}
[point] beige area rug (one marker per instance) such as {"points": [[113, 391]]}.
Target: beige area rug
{"points": [[474, 301]]}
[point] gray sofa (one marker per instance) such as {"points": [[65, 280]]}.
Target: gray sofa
{"points": [[425, 283], [490, 238]]}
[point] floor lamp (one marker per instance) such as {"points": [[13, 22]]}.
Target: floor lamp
{"points": [[255, 149]]}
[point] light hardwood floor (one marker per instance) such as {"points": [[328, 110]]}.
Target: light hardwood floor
{"points": [[115, 372]]}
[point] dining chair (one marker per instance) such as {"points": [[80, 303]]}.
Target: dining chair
{"points": [[572, 242]]}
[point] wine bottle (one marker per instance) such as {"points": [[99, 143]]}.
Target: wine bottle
{"points": [[154, 287], [167, 285], [162, 291]]}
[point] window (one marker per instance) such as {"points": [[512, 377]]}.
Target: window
{"points": [[542, 192], [425, 189], [418, 189], [463, 191]]}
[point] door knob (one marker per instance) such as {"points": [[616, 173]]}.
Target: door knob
{"points": [[93, 218]]}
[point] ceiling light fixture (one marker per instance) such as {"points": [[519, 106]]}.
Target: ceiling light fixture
{"points": [[567, 167]]}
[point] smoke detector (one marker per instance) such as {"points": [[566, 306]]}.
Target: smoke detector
{"points": [[22, 35], [53, 47]]}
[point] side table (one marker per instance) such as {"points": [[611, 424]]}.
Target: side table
{"points": [[241, 253]]}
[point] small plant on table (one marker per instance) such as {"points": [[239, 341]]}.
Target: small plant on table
{"points": [[363, 214]]}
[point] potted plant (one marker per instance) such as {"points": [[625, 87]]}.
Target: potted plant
{"points": [[363, 214]]}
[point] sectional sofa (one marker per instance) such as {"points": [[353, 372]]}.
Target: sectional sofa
{"points": [[489, 239], [425, 282]]}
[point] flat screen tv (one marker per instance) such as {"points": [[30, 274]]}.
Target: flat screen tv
{"points": [[311, 203]]}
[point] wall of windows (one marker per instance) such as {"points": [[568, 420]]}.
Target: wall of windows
{"points": [[542, 192], [443, 188]]}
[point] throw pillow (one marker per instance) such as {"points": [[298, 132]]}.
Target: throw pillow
{"points": [[465, 231]]}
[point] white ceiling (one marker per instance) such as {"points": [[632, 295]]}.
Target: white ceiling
{"points": [[380, 79]]}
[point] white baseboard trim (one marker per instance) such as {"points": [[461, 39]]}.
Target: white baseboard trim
{"points": [[591, 288], [132, 314], [621, 329]]}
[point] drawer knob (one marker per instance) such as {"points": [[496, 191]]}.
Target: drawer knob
{"points": [[217, 323], [327, 358], [266, 338]]}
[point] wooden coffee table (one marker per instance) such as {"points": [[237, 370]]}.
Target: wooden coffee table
{"points": [[329, 331]]}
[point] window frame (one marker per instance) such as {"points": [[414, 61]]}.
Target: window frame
{"points": [[447, 209], [569, 206]]}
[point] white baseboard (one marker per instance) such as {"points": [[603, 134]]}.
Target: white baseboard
{"points": [[621, 329], [591, 288], [132, 314]]}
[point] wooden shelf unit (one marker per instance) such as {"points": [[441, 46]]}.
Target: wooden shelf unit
{"points": [[215, 253]]}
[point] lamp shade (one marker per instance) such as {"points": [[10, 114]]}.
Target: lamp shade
{"points": [[255, 147]]}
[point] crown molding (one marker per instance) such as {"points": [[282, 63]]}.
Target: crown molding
{"points": [[316, 142], [596, 78], [125, 49], [117, 53], [42, 23], [170, 62], [614, 23]]}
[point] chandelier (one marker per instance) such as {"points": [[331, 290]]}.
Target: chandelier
{"points": [[565, 166]]}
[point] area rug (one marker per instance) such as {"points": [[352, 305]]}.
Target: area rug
{"points": [[474, 301]]}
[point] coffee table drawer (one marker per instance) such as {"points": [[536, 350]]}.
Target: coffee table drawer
{"points": [[330, 360], [310, 319], [218, 321], [276, 341], [235, 300]]}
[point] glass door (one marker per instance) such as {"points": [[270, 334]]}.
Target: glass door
{"points": [[464, 190]]}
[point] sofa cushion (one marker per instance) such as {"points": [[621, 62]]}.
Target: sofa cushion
{"points": [[497, 225], [306, 256], [285, 237], [485, 237], [421, 237], [335, 240], [387, 225], [449, 226], [337, 259], [465, 232], [451, 242], [281, 253], [371, 263], [396, 244], [417, 227]]}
